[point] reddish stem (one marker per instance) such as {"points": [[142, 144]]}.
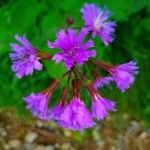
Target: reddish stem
{"points": [[64, 96], [103, 65], [76, 88], [44, 55]]}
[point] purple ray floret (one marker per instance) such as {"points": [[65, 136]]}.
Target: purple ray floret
{"points": [[102, 81], [101, 106], [76, 116], [124, 74], [24, 57], [38, 104], [73, 50], [55, 112], [96, 20]]}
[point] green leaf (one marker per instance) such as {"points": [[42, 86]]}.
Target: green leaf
{"points": [[55, 70]]}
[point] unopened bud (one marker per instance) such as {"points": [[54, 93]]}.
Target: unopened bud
{"points": [[70, 20]]}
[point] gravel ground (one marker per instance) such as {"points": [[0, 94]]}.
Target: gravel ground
{"points": [[38, 135]]}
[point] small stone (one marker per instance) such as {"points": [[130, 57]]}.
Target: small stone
{"points": [[15, 144], [6, 147], [143, 135], [3, 133], [133, 129], [67, 133], [65, 146], [27, 146], [49, 147], [39, 147], [30, 137], [39, 124], [56, 145]]}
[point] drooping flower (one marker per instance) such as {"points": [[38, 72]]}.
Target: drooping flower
{"points": [[122, 74], [102, 81], [56, 111], [96, 20], [76, 116], [37, 103], [24, 57], [100, 106], [73, 50]]}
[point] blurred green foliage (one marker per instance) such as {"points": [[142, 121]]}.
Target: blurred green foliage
{"points": [[39, 20]]}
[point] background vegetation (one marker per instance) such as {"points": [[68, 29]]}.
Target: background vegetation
{"points": [[39, 20]]}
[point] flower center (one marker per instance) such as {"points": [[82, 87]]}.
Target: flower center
{"points": [[97, 23], [72, 52]]}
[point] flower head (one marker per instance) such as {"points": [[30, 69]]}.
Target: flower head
{"points": [[124, 74], [76, 116], [73, 50], [37, 103], [24, 57], [102, 81], [56, 111], [96, 20], [100, 106]]}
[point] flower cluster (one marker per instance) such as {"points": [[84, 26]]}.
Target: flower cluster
{"points": [[76, 49]]}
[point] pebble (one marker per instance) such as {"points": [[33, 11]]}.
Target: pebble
{"points": [[3, 133], [39, 147], [65, 146], [56, 145], [30, 137], [39, 124], [6, 147], [49, 147], [28, 146], [67, 133], [15, 144]]}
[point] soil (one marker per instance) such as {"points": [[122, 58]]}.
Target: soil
{"points": [[34, 134]]}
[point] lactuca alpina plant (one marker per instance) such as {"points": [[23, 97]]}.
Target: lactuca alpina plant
{"points": [[76, 50]]}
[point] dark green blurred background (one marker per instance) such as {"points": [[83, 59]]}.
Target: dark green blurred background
{"points": [[39, 20]]}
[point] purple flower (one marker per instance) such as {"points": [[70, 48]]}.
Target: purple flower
{"points": [[96, 20], [73, 50], [101, 81], [38, 104], [124, 74], [24, 58], [76, 116], [101, 106], [55, 112]]}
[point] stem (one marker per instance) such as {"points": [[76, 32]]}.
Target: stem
{"points": [[76, 88], [64, 96], [83, 77], [103, 65], [44, 55]]}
